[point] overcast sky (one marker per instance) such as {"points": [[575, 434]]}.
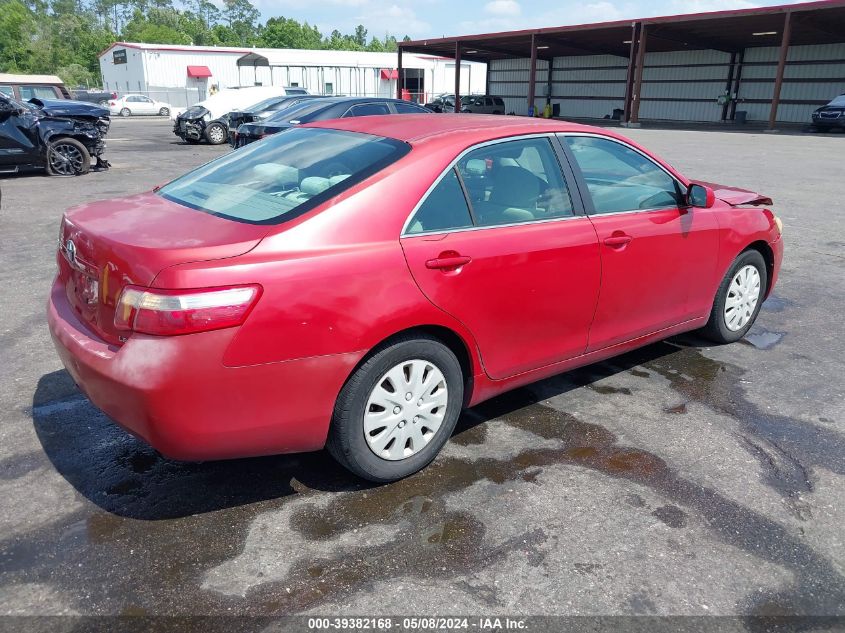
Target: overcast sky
{"points": [[437, 18]]}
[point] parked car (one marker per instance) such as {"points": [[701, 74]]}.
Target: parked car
{"points": [[100, 97], [830, 116], [207, 119], [261, 111], [60, 136], [482, 104], [355, 283], [321, 110], [138, 105], [26, 87], [442, 103]]}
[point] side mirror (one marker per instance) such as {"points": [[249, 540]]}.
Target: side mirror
{"points": [[700, 196]]}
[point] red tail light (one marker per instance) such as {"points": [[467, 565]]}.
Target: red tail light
{"points": [[173, 312], [111, 103]]}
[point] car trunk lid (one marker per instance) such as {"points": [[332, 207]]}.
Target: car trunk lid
{"points": [[105, 246]]}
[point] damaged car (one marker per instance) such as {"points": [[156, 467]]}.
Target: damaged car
{"points": [[61, 136]]}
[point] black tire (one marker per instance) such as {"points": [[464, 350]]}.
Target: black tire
{"points": [[717, 329], [164, 112], [346, 441], [216, 134], [125, 112], [67, 157]]}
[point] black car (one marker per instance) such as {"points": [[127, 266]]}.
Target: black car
{"points": [[100, 97], [323, 109], [59, 135], [443, 103], [830, 116], [260, 111]]}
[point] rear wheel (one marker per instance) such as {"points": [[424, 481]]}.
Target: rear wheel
{"points": [[738, 299], [67, 157], [215, 134], [124, 112], [397, 410]]}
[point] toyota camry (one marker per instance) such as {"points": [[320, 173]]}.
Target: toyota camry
{"points": [[354, 284]]}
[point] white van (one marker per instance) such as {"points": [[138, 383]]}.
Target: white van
{"points": [[207, 119]]}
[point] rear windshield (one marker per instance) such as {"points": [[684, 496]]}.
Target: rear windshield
{"points": [[301, 112], [284, 175]]}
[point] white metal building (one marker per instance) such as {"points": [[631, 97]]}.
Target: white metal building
{"points": [[183, 75]]}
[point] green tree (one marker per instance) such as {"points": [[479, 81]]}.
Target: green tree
{"points": [[241, 17], [17, 22]]}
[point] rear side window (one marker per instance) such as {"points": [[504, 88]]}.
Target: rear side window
{"points": [[409, 108], [444, 208], [368, 109], [7, 90], [285, 175], [37, 92], [498, 101]]}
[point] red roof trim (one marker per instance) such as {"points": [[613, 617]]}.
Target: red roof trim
{"points": [[181, 49], [684, 17]]}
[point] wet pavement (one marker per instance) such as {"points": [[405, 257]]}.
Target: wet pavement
{"points": [[680, 479]]}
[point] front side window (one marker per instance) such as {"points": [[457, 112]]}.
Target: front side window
{"points": [[515, 181], [621, 179], [285, 175], [444, 208]]}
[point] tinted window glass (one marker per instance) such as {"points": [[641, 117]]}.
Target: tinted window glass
{"points": [[621, 179], [488, 101], [516, 181], [444, 208], [283, 176], [7, 90], [302, 112], [409, 108], [498, 101], [368, 109], [36, 92]]}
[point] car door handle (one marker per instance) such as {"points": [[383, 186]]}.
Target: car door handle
{"points": [[617, 241], [447, 262]]}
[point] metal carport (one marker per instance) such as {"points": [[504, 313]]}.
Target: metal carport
{"points": [[750, 54]]}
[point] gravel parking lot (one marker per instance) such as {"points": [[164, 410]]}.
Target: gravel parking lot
{"points": [[681, 479]]}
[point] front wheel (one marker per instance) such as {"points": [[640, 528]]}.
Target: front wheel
{"points": [[216, 134], [738, 299], [397, 410], [164, 112], [67, 157], [124, 112]]}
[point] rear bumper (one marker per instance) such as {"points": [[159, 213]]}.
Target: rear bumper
{"points": [[176, 394]]}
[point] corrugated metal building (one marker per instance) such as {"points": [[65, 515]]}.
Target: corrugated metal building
{"points": [[183, 75], [774, 64]]}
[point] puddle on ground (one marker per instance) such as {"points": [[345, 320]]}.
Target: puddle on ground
{"points": [[762, 339], [773, 303]]}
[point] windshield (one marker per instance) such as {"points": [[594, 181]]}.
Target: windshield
{"points": [[302, 112], [285, 175], [838, 102]]}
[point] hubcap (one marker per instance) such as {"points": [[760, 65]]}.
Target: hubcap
{"points": [[405, 409], [66, 159], [216, 134], [743, 295]]}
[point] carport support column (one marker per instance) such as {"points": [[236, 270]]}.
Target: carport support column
{"points": [[629, 77], [400, 78], [784, 49], [457, 77], [532, 76], [636, 92]]}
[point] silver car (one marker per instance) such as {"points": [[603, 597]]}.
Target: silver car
{"points": [[482, 104]]}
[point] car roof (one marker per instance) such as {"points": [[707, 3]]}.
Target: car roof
{"points": [[418, 128]]}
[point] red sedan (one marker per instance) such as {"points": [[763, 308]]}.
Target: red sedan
{"points": [[355, 283]]}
